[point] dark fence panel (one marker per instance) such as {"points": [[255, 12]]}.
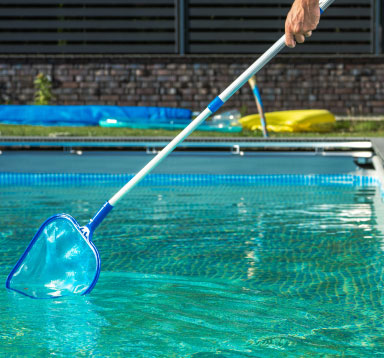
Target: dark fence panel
{"points": [[87, 26], [248, 26], [179, 26]]}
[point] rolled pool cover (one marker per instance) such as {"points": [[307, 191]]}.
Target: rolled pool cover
{"points": [[63, 115]]}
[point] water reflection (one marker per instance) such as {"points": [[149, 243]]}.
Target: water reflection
{"points": [[61, 326]]}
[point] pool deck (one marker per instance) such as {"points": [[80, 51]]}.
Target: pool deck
{"points": [[235, 143], [357, 147], [378, 147], [365, 151]]}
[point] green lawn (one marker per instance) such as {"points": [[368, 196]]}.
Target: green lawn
{"points": [[342, 128]]}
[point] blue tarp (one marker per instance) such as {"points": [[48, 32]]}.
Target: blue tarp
{"points": [[49, 115]]}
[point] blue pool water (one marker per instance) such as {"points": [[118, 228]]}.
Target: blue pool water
{"points": [[218, 269]]}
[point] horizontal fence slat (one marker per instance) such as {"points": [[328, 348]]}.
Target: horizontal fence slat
{"points": [[169, 2], [86, 2], [240, 2], [272, 12], [273, 36], [88, 36], [308, 48], [237, 12], [273, 24], [270, 2], [87, 12], [87, 24], [130, 49]]}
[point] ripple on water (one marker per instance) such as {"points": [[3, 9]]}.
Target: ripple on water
{"points": [[231, 271]]}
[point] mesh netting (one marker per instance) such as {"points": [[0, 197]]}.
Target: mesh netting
{"points": [[59, 261]]}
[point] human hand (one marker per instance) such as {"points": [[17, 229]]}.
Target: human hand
{"points": [[302, 19]]}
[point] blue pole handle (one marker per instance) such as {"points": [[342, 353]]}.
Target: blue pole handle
{"points": [[99, 217]]}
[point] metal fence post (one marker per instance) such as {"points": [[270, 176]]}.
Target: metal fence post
{"points": [[377, 30], [380, 15], [181, 26]]}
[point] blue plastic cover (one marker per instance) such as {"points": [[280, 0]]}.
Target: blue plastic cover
{"points": [[174, 125], [50, 115], [59, 261]]}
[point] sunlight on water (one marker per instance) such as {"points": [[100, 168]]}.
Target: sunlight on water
{"points": [[226, 271]]}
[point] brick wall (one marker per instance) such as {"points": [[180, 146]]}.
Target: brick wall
{"points": [[345, 85]]}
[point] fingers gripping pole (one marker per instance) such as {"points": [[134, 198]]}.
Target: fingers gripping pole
{"points": [[212, 108]]}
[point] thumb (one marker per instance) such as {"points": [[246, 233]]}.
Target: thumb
{"points": [[290, 40]]}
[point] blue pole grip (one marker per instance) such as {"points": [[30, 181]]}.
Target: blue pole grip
{"points": [[215, 104], [99, 217]]}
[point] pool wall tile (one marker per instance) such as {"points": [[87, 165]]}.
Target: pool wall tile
{"points": [[184, 179]]}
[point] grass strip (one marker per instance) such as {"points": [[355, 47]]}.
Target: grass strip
{"points": [[342, 128]]}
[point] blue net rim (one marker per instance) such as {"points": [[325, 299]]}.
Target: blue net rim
{"points": [[46, 222]]}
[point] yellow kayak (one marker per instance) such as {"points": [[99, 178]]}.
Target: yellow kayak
{"points": [[305, 120]]}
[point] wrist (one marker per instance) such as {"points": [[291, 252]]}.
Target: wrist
{"points": [[310, 2]]}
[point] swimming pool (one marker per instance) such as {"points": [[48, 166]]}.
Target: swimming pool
{"points": [[255, 256]]}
